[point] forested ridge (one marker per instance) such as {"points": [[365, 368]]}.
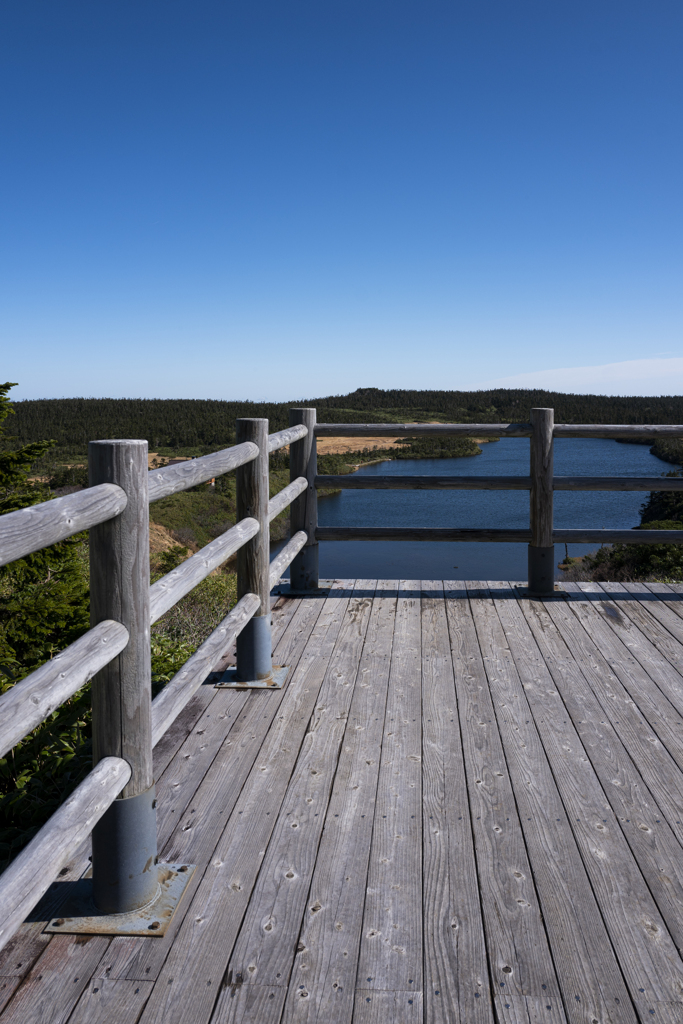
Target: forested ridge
{"points": [[176, 423]]}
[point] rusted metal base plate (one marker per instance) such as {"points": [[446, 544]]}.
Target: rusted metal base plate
{"points": [[276, 681], [80, 916]]}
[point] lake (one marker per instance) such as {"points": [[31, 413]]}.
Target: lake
{"points": [[479, 509]]}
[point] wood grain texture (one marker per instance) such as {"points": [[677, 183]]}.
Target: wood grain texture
{"points": [[119, 590], [30, 529], [32, 871], [653, 842], [617, 483], [541, 497], [594, 898], [172, 479], [327, 952], [519, 957], [391, 948], [660, 688], [190, 979], [419, 533], [106, 1001], [54, 986], [180, 581], [286, 556], [30, 701], [423, 429], [456, 969], [287, 436], [185, 683], [266, 946], [284, 498], [253, 558]]}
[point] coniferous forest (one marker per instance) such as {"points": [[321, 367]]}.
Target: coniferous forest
{"points": [[180, 423]]}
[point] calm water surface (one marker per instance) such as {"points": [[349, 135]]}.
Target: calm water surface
{"points": [[479, 509]]}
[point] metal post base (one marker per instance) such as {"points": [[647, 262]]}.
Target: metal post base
{"points": [[254, 650], [124, 852], [80, 916], [541, 579], [275, 681], [303, 572]]}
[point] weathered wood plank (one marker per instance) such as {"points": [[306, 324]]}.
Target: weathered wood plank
{"points": [[171, 479], [603, 711], [582, 953], [267, 943], [54, 985], [327, 952], [456, 969], [191, 977], [669, 594], [625, 908], [30, 529], [391, 946], [108, 1001], [665, 632], [520, 961], [8, 987], [654, 845], [30, 701], [27, 878], [653, 683]]}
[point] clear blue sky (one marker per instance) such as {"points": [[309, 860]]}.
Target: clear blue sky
{"points": [[288, 199]]}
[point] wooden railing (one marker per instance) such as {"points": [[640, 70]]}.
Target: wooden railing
{"points": [[541, 484], [116, 801]]}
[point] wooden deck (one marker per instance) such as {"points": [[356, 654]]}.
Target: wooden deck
{"points": [[464, 807]]}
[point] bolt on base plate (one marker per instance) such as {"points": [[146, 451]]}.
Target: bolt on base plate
{"points": [[275, 681], [80, 916]]}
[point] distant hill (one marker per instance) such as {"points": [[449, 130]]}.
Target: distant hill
{"points": [[182, 423]]}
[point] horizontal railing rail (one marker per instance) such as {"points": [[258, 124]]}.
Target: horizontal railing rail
{"points": [[30, 701], [389, 482], [288, 436], [625, 431], [172, 479], [38, 526], [30, 874]]}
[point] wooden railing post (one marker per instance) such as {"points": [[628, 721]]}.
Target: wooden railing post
{"points": [[124, 840], [542, 550], [254, 644], [303, 461]]}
